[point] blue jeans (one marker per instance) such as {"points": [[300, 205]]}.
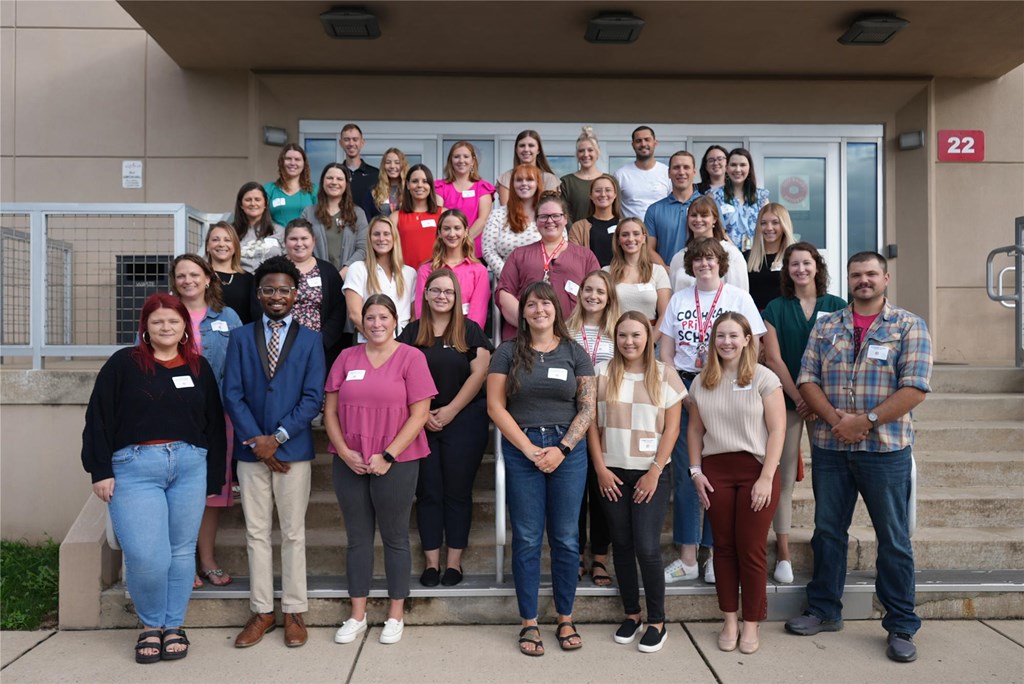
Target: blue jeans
{"points": [[536, 498], [686, 507], [883, 480], [158, 503]]}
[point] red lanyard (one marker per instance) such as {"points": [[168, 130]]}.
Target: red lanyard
{"points": [[549, 259], [704, 322], [586, 347]]}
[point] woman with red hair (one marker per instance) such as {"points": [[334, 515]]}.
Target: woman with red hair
{"points": [[154, 443]]}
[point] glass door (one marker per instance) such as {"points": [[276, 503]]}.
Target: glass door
{"points": [[804, 177]]}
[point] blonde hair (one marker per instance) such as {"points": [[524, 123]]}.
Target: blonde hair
{"points": [[382, 191], [757, 252], [654, 370], [644, 265], [712, 374], [449, 168], [397, 264], [611, 308], [587, 135]]}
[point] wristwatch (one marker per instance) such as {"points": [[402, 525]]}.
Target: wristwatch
{"points": [[564, 449], [873, 419], [387, 456], [281, 436]]}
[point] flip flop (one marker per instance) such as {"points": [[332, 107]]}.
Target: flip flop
{"points": [[538, 645], [217, 577], [197, 583]]}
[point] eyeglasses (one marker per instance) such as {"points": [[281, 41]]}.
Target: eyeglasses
{"points": [[437, 292], [716, 160], [544, 218], [268, 291]]}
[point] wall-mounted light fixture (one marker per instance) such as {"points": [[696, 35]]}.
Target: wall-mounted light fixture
{"points": [[875, 29], [614, 28], [272, 135], [350, 22], [911, 140]]}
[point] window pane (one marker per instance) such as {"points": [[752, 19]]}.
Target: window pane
{"points": [[862, 197], [374, 159], [798, 183], [484, 156], [615, 162], [321, 152], [563, 164]]}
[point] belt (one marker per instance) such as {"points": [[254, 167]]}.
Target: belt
{"points": [[686, 375]]}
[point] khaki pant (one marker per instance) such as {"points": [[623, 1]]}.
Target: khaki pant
{"points": [[261, 489]]}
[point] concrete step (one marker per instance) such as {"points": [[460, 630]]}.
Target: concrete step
{"points": [[969, 436], [971, 406], [974, 506], [981, 379], [323, 465]]}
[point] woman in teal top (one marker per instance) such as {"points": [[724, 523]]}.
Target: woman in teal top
{"points": [[790, 319], [293, 190]]}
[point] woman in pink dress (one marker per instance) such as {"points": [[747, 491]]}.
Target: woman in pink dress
{"points": [[463, 189]]}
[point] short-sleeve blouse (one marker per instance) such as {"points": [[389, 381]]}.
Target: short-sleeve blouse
{"points": [[547, 394], [309, 300], [373, 403], [449, 367], [642, 297]]}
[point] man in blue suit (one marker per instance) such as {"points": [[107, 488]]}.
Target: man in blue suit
{"points": [[273, 388]]}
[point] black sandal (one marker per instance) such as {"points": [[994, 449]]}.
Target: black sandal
{"points": [[604, 580], [583, 571], [563, 641], [142, 645], [173, 637], [538, 645]]}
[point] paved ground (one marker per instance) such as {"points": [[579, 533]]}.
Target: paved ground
{"points": [[950, 651]]}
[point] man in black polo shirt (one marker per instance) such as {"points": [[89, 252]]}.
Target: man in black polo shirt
{"points": [[364, 176]]}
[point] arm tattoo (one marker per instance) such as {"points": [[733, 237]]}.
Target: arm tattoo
{"points": [[586, 405]]}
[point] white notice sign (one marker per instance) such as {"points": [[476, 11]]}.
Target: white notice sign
{"points": [[131, 174]]}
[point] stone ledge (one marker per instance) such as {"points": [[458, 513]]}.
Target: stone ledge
{"points": [[47, 387]]}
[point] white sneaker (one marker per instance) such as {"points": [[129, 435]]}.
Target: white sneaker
{"points": [[677, 571], [392, 632], [784, 572], [349, 630], [709, 571]]}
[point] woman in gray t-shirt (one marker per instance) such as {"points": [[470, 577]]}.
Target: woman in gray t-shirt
{"points": [[541, 395]]}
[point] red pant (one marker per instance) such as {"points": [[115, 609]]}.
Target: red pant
{"points": [[741, 535]]}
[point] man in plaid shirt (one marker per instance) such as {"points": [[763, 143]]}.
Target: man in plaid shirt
{"points": [[865, 368]]}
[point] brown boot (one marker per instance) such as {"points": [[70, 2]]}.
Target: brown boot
{"points": [[258, 625], [294, 630]]}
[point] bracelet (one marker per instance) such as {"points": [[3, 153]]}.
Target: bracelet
{"points": [[695, 471], [660, 469]]}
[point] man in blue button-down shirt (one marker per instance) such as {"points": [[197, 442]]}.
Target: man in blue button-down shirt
{"points": [[666, 218]]}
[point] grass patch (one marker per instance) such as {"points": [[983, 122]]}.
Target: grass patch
{"points": [[28, 584]]}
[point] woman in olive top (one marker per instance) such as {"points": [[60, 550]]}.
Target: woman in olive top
{"points": [[575, 187], [789, 320], [596, 231]]}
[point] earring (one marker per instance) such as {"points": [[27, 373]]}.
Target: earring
{"points": [[184, 337], [145, 336]]}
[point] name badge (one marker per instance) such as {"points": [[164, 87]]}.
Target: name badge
{"points": [[428, 223], [648, 444], [278, 202], [743, 388], [313, 282], [355, 375], [468, 193], [776, 266], [558, 374], [611, 229], [183, 381], [727, 208], [877, 351], [572, 288], [645, 287], [822, 314], [219, 326], [465, 309]]}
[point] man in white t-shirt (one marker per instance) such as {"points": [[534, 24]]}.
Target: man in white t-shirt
{"points": [[645, 181]]}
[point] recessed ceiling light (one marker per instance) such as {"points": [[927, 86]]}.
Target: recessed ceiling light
{"points": [[350, 22], [875, 29], [614, 27]]}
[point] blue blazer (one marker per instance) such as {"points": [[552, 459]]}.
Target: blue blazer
{"points": [[259, 404]]}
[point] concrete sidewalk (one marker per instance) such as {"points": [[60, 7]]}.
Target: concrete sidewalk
{"points": [[950, 651]]}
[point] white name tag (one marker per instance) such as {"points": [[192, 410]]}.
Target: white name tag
{"points": [[313, 282], [355, 375], [648, 444], [465, 309], [611, 229], [572, 288], [278, 202], [428, 223], [744, 388], [645, 287], [469, 193], [183, 381], [822, 314], [558, 374], [877, 351], [219, 326], [776, 266], [727, 208]]}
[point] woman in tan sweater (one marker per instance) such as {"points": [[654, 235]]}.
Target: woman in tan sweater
{"points": [[737, 427]]}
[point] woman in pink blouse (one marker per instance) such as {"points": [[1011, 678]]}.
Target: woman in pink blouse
{"points": [[453, 250], [378, 401], [463, 189]]}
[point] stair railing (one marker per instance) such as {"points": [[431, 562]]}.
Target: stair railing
{"points": [[994, 285]]}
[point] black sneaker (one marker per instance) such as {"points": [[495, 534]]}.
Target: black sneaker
{"points": [[653, 639], [809, 625], [627, 631], [901, 648]]}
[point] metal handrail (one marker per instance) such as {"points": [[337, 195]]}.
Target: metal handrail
{"points": [[499, 469], [994, 286]]}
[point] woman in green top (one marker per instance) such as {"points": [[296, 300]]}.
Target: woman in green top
{"points": [[293, 190], [790, 319]]}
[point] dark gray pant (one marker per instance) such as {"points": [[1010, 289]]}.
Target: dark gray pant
{"points": [[387, 501]]}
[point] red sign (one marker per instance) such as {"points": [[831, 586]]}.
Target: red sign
{"points": [[961, 146]]}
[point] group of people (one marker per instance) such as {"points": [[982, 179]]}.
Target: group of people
{"points": [[646, 320]]}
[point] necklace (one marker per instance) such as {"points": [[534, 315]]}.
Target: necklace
{"points": [[228, 281], [542, 352]]}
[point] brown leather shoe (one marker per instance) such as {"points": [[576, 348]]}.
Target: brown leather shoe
{"points": [[258, 625], [294, 630]]}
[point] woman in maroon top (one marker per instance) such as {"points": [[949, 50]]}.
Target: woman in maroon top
{"points": [[418, 216]]}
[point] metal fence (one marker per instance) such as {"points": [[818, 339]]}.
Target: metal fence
{"points": [[75, 275]]}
